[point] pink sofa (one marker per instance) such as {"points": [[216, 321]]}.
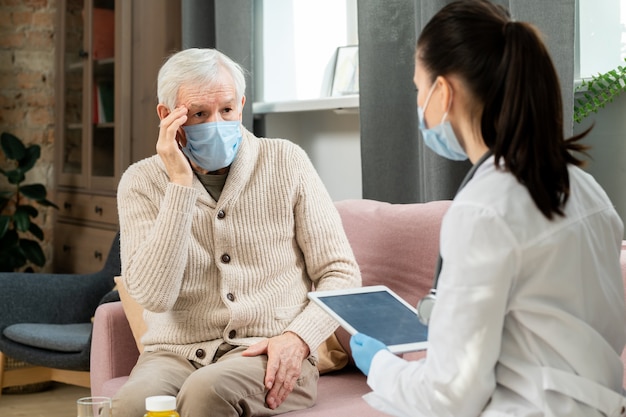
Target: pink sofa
{"points": [[394, 244]]}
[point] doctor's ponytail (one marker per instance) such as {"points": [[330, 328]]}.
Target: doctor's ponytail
{"points": [[507, 68]]}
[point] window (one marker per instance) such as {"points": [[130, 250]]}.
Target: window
{"points": [[295, 46], [601, 36]]}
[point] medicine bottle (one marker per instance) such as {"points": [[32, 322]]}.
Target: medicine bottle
{"points": [[161, 406]]}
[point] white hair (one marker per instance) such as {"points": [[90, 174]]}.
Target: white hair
{"points": [[196, 66]]}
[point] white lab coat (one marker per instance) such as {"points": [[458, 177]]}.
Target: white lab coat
{"points": [[530, 317]]}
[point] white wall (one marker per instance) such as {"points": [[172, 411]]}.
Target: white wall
{"points": [[332, 141], [602, 47], [295, 46], [608, 141]]}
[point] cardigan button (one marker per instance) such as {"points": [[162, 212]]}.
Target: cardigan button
{"points": [[221, 214], [232, 334], [200, 353], [230, 296], [225, 258]]}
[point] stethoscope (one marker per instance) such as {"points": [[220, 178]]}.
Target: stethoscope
{"points": [[427, 303]]}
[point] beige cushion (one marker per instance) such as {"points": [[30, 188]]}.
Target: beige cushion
{"points": [[331, 356], [394, 244], [134, 313]]}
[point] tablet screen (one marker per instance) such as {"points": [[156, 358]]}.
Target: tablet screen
{"points": [[379, 314]]}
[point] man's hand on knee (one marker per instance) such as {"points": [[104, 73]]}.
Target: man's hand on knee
{"points": [[285, 354]]}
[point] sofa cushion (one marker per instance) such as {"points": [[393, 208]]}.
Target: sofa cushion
{"points": [[331, 356], [340, 395], [112, 386], [134, 313], [394, 244], [57, 337]]}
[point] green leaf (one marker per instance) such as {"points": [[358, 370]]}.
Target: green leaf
{"points": [[47, 203], [34, 191], [33, 251], [28, 210], [4, 225], [15, 176], [21, 220], [36, 231], [31, 156], [12, 147], [598, 91]]}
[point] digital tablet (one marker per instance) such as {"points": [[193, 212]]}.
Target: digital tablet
{"points": [[377, 312]]}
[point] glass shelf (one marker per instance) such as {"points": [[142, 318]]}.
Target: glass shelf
{"points": [[105, 61], [350, 102], [87, 141], [76, 66]]}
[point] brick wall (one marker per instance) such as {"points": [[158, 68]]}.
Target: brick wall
{"points": [[27, 74]]}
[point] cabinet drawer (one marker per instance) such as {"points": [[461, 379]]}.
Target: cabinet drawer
{"points": [[80, 249], [88, 207]]}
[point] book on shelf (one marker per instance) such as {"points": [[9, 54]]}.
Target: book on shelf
{"points": [[103, 33], [103, 103]]}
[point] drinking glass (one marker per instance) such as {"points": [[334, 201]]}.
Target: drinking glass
{"points": [[94, 407]]}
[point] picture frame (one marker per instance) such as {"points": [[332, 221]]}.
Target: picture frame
{"points": [[346, 73]]}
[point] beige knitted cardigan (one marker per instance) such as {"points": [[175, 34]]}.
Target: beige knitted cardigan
{"points": [[239, 269]]}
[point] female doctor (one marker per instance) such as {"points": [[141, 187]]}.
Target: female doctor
{"points": [[529, 318]]}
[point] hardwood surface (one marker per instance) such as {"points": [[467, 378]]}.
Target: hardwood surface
{"points": [[59, 401]]}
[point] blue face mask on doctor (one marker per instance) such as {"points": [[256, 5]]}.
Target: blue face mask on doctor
{"points": [[441, 138], [212, 145]]}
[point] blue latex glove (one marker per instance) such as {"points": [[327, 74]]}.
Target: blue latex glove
{"points": [[363, 350]]}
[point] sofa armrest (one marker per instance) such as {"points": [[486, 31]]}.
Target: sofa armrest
{"points": [[113, 348]]}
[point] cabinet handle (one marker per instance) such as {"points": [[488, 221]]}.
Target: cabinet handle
{"points": [[98, 210], [83, 54], [67, 248], [67, 206], [98, 255]]}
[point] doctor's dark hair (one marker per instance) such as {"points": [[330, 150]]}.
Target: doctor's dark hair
{"points": [[509, 73]]}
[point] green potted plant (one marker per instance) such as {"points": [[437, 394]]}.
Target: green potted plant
{"points": [[595, 93], [17, 228]]}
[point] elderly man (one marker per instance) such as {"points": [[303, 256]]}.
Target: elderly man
{"points": [[223, 234]]}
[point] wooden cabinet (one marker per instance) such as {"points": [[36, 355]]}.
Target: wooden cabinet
{"points": [[81, 249], [93, 69], [108, 56], [84, 231], [88, 207]]}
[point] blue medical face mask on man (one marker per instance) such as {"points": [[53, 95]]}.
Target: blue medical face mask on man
{"points": [[213, 145], [441, 138]]}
